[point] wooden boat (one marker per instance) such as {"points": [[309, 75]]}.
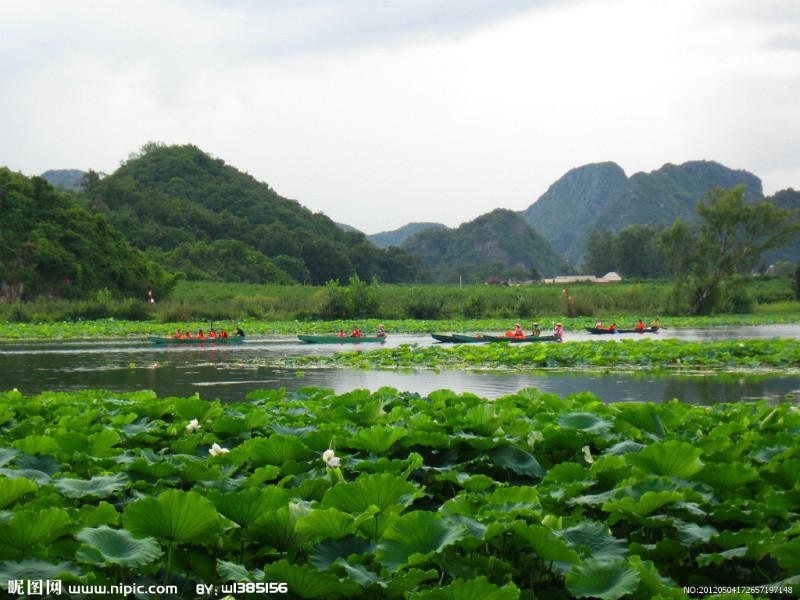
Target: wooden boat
{"points": [[458, 338], [335, 339], [596, 331], [234, 339], [645, 330], [521, 340]]}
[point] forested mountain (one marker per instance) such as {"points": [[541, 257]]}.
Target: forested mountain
{"points": [[65, 179], [600, 196], [396, 237], [194, 213], [51, 245], [499, 244]]}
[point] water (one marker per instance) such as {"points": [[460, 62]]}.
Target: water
{"points": [[226, 372]]}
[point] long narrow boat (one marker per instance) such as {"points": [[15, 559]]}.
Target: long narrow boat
{"points": [[522, 340], [597, 331], [335, 339], [236, 339], [458, 338], [645, 330]]}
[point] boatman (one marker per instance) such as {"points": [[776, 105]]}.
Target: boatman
{"points": [[536, 330], [381, 331], [558, 332]]}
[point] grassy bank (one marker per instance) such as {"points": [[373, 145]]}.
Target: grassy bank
{"points": [[113, 328], [205, 301], [392, 495]]}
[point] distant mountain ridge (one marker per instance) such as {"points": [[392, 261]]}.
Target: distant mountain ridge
{"points": [[600, 195], [497, 244], [396, 237], [65, 179]]}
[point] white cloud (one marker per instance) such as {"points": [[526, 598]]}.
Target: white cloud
{"points": [[384, 113]]}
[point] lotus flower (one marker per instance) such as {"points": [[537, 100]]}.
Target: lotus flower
{"points": [[331, 459], [217, 450], [193, 426]]}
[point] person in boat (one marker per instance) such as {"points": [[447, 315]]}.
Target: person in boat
{"points": [[655, 325], [200, 334], [598, 324], [341, 333], [239, 332], [612, 327], [223, 333], [381, 331], [212, 334], [189, 335], [356, 332], [536, 330], [558, 331], [518, 333], [178, 334], [640, 326]]}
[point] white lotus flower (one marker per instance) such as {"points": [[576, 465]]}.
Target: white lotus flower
{"points": [[193, 426], [331, 459], [217, 450]]}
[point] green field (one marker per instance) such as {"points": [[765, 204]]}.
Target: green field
{"points": [[205, 301], [392, 495]]}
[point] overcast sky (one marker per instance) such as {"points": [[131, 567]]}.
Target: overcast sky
{"points": [[381, 112]]}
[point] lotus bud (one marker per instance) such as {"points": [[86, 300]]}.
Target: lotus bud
{"points": [[193, 426], [331, 459], [217, 450], [587, 455]]}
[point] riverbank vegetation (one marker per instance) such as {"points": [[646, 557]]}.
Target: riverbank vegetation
{"points": [[390, 495], [628, 353]]}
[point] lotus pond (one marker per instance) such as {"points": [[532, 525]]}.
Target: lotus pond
{"points": [[391, 494]]}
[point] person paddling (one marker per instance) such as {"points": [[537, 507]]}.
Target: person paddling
{"points": [[518, 333], [381, 331], [558, 332], [640, 326], [536, 330]]}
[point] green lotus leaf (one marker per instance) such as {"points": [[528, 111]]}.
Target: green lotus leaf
{"points": [[517, 460], [307, 582], [643, 416], [249, 505], [377, 439], [28, 528], [13, 489], [101, 444], [484, 419], [332, 523], [7, 455], [510, 500], [43, 462], [470, 482], [648, 503], [34, 569], [651, 581], [37, 444], [545, 544], [404, 582], [279, 528], [174, 516], [717, 558], [101, 486], [413, 538], [94, 516], [274, 450], [623, 447], [568, 472], [329, 551], [786, 472], [593, 539], [38, 476], [585, 421], [788, 555], [673, 458], [727, 476], [692, 533], [262, 475], [472, 589], [119, 547], [195, 408], [607, 579], [383, 490], [229, 571]]}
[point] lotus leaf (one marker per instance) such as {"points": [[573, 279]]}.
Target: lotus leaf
{"points": [[13, 489], [472, 589], [672, 458], [119, 547], [28, 528], [584, 421], [593, 539], [517, 460], [329, 551], [249, 505], [308, 582], [101, 486], [414, 537], [174, 516], [34, 569], [377, 439], [607, 579], [545, 544]]}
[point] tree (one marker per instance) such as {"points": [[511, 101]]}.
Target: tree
{"points": [[599, 257], [637, 253], [730, 240]]}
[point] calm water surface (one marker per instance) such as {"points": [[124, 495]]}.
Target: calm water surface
{"points": [[227, 372]]}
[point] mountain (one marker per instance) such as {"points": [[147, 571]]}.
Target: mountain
{"points": [[396, 237], [499, 244], [65, 179], [195, 213], [346, 227], [599, 195], [51, 245]]}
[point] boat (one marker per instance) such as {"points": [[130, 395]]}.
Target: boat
{"points": [[457, 338], [520, 340], [600, 331], [645, 330], [234, 339], [335, 339]]}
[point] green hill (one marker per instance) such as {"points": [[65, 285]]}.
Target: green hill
{"points": [[386, 239], [600, 196], [498, 244], [50, 245], [180, 204]]}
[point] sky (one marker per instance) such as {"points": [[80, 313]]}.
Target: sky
{"points": [[383, 112]]}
